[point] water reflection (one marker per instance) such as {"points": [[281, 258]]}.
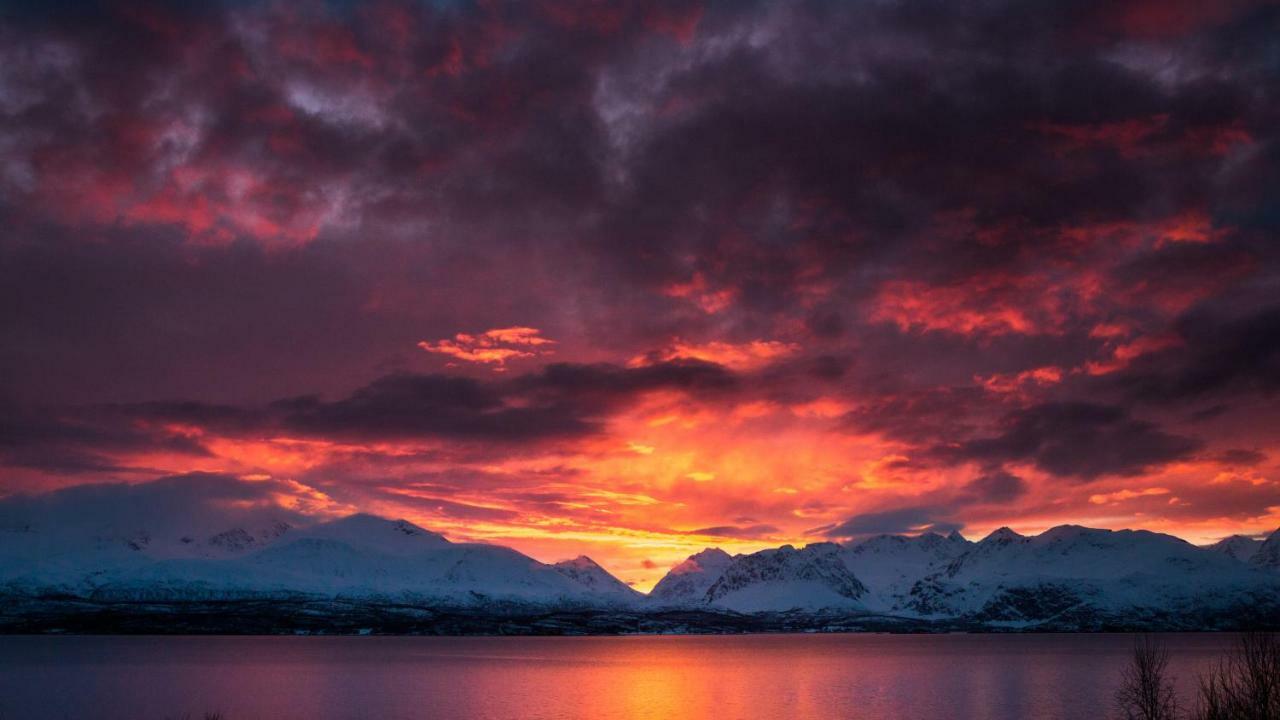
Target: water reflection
{"points": [[864, 677]]}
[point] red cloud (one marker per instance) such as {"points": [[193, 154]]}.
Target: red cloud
{"points": [[495, 346], [1161, 19], [982, 306], [739, 356], [679, 22]]}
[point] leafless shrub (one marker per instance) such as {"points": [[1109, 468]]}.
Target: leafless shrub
{"points": [[1146, 689], [1246, 684]]}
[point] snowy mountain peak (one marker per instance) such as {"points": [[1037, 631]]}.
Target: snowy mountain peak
{"points": [[393, 537], [689, 581], [234, 540], [407, 528], [1240, 547], [1077, 571], [582, 562], [1268, 555], [931, 544], [889, 565], [1003, 536], [1067, 576], [239, 540], [1069, 532], [932, 540], [785, 578], [707, 560], [373, 523], [586, 572]]}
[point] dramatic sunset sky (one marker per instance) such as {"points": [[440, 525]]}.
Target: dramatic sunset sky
{"points": [[633, 279]]}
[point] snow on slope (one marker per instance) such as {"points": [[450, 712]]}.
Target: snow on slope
{"points": [[584, 571], [232, 542], [154, 541], [890, 565], [356, 556], [78, 559], [1268, 555], [454, 573], [688, 582], [811, 578], [1067, 572], [1069, 569], [370, 532], [1239, 547]]}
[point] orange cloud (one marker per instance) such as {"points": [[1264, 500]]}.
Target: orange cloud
{"points": [[1003, 383], [1121, 495], [739, 356], [697, 290], [495, 346], [1193, 226], [1190, 226], [627, 498], [1124, 353], [959, 309]]}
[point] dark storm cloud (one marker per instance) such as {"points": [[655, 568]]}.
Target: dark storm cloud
{"points": [[902, 520], [1079, 440], [603, 382], [831, 151], [78, 442], [561, 401], [1222, 356], [918, 416], [736, 531], [442, 506], [942, 512], [994, 487], [231, 203], [765, 169], [418, 406], [1240, 457], [191, 504]]}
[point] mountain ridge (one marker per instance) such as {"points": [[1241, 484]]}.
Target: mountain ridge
{"points": [[1069, 575]]}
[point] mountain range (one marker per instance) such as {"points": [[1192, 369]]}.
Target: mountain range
{"points": [[368, 573]]}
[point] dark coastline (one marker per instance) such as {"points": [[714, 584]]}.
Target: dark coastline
{"points": [[338, 617]]}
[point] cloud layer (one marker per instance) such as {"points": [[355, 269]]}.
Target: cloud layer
{"points": [[619, 279]]}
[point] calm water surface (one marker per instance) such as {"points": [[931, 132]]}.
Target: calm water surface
{"points": [[870, 677]]}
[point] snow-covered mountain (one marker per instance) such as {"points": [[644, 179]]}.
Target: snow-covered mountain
{"points": [[372, 533], [1268, 555], [814, 577], [235, 541], [1238, 547], [1082, 573], [891, 565], [584, 571], [437, 573], [811, 578], [360, 556], [688, 582], [1066, 577]]}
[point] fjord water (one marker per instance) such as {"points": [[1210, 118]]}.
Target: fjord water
{"points": [[865, 677]]}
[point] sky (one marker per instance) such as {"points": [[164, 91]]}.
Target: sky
{"points": [[632, 279]]}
